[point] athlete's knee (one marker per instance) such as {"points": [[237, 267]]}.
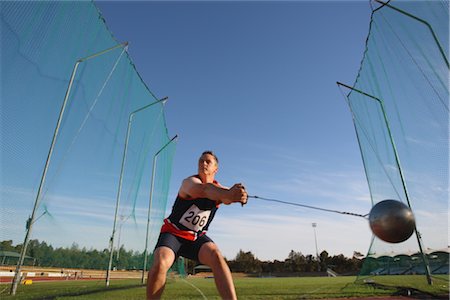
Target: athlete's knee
{"points": [[216, 255], [211, 255], [163, 259]]}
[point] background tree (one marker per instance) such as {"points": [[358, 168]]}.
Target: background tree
{"points": [[245, 262]]}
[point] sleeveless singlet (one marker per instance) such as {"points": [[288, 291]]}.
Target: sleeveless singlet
{"points": [[190, 219]]}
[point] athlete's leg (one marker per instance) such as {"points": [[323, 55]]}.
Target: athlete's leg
{"points": [[163, 259], [210, 255]]}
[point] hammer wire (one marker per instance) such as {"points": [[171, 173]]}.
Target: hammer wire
{"points": [[309, 206]]}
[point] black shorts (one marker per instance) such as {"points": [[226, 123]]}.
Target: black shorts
{"points": [[182, 247]]}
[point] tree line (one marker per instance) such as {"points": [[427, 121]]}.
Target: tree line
{"points": [[296, 262], [45, 255]]}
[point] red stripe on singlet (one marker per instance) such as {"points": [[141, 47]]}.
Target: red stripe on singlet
{"points": [[171, 228]]}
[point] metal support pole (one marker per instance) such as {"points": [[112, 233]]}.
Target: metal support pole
{"points": [[31, 219], [400, 170], [119, 191], [150, 205]]}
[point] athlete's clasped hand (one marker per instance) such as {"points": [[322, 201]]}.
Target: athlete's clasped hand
{"points": [[239, 194]]}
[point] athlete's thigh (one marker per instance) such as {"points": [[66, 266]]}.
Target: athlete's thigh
{"points": [[166, 249], [191, 250]]}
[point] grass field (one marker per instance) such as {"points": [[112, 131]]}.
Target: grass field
{"points": [[246, 288]]}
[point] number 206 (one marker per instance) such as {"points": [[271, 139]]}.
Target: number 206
{"points": [[195, 219]]}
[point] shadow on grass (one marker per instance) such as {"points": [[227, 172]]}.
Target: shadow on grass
{"points": [[409, 292], [89, 292]]}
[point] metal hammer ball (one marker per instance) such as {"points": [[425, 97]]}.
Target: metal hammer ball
{"points": [[391, 221]]}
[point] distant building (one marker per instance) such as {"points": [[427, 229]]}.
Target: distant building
{"points": [[201, 268], [406, 263], [8, 258]]}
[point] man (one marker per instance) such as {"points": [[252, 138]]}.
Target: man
{"points": [[184, 231]]}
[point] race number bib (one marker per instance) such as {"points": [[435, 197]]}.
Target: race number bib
{"points": [[194, 218]]}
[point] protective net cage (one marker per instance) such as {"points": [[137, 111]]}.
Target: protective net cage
{"points": [[111, 155], [400, 108]]}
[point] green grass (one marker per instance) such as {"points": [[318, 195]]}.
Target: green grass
{"points": [[246, 288], [53, 290]]}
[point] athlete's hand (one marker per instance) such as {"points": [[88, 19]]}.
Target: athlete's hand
{"points": [[239, 193]]}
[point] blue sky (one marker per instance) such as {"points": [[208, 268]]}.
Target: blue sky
{"points": [[256, 83]]}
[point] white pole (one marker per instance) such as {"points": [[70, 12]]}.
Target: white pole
{"points": [[150, 206]]}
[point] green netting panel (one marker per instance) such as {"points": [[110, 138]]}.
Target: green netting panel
{"points": [[41, 43], [405, 66], [134, 216], [179, 267], [163, 163]]}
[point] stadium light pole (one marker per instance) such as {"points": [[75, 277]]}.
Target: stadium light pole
{"points": [[31, 220], [150, 204], [314, 225], [119, 190], [400, 170]]}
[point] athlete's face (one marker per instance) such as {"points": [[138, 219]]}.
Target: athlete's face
{"points": [[207, 165]]}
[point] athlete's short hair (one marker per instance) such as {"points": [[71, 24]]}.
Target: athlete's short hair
{"points": [[211, 153]]}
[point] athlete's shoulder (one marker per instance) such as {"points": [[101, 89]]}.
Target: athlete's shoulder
{"points": [[188, 185], [188, 182]]}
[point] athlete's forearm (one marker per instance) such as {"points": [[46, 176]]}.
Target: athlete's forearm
{"points": [[214, 192]]}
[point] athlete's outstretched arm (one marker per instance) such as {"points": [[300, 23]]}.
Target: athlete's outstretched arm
{"points": [[192, 188]]}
